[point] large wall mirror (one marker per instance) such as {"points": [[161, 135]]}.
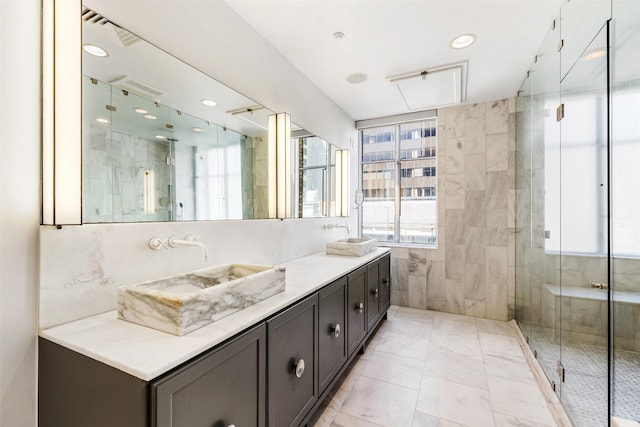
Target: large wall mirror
{"points": [[162, 141]]}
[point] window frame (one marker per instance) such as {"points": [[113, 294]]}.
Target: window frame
{"points": [[401, 162]]}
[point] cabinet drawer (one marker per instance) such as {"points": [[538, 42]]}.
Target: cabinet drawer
{"points": [[225, 387], [356, 308], [332, 348], [293, 371]]}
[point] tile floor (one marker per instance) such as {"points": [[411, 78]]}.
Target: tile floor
{"points": [[425, 368]]}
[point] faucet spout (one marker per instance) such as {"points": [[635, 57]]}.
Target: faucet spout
{"points": [[190, 240]]}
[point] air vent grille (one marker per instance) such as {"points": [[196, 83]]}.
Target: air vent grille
{"points": [[126, 38]]}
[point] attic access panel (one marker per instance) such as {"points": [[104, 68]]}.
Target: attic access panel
{"points": [[431, 89]]}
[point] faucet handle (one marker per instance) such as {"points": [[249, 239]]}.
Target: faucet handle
{"points": [[156, 244]]}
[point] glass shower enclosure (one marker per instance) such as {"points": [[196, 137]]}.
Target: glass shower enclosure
{"points": [[578, 210]]}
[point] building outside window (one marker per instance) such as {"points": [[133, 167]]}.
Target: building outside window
{"points": [[399, 183]]}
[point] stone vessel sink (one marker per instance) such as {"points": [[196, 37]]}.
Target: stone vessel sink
{"points": [[181, 304], [352, 247]]}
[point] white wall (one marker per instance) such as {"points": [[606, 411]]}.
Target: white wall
{"points": [[19, 208]]}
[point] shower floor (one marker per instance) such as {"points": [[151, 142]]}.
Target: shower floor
{"points": [[584, 392]]}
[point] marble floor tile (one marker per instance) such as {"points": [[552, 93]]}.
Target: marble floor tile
{"points": [[392, 368], [420, 419], [462, 346], [519, 400], [388, 342], [504, 420], [408, 327], [346, 420], [381, 403], [455, 368], [508, 368], [496, 327], [456, 402], [500, 345], [466, 372]]}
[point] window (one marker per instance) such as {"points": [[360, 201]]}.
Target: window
{"points": [[398, 181]]}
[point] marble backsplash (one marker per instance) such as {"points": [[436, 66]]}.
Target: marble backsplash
{"points": [[472, 271], [81, 267]]}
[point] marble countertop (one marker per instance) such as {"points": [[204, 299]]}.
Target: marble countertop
{"points": [[147, 353]]}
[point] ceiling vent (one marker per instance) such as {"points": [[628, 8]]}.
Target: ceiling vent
{"points": [[136, 86], [126, 38], [433, 87]]}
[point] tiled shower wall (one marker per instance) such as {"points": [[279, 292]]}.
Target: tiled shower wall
{"points": [[472, 271]]}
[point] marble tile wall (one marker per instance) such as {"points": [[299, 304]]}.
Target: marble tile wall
{"points": [[472, 271]]}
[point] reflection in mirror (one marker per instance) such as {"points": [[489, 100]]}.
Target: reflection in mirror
{"points": [[316, 176], [153, 149]]}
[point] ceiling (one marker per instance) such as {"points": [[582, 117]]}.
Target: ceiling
{"points": [[393, 37]]}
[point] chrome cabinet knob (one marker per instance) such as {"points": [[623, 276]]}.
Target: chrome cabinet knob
{"points": [[336, 330], [299, 368], [374, 292], [360, 307]]}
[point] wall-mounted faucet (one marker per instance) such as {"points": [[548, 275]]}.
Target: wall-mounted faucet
{"points": [[330, 226], [190, 240]]}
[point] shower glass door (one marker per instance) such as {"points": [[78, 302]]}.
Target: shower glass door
{"points": [[584, 236]]}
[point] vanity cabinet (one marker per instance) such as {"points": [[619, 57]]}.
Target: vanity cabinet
{"points": [[275, 373], [356, 314], [225, 387], [293, 356], [332, 343]]}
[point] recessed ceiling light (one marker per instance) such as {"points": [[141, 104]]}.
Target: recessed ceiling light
{"points": [[140, 110], [595, 54], [94, 50], [160, 137], [357, 78], [197, 129], [209, 102], [101, 120], [462, 41], [338, 35], [150, 116]]}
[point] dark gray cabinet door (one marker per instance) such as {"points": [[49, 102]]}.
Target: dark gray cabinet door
{"points": [[293, 356], [332, 345], [373, 294], [222, 388], [384, 275], [356, 305]]}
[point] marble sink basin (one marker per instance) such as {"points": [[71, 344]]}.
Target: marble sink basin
{"points": [[181, 304], [352, 247]]}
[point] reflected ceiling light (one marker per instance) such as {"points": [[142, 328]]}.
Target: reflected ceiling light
{"points": [[140, 110], [94, 50], [197, 129], [101, 120], [357, 78], [462, 41], [595, 54], [150, 116], [208, 102], [160, 137]]}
